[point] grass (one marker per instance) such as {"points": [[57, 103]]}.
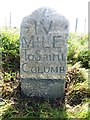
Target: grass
{"points": [[13, 105], [77, 99], [36, 110], [10, 110]]}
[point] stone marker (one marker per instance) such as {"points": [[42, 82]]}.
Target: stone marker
{"points": [[43, 50]]}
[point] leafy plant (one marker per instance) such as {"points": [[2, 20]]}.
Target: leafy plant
{"points": [[78, 50], [76, 74], [10, 51]]}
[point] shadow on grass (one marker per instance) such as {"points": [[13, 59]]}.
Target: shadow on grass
{"points": [[35, 108], [23, 107]]}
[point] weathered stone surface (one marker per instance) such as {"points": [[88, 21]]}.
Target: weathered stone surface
{"points": [[43, 48]]}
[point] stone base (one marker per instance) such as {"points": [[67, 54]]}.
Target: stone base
{"points": [[43, 88]]}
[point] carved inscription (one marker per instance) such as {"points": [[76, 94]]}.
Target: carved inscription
{"points": [[43, 54], [43, 50]]}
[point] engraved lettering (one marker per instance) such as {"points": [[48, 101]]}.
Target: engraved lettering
{"points": [[33, 70], [26, 44], [43, 43], [62, 69], [38, 56], [44, 28], [23, 67], [56, 41], [54, 70], [30, 57], [46, 69]]}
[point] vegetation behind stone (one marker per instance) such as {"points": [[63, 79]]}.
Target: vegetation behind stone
{"points": [[77, 92]]}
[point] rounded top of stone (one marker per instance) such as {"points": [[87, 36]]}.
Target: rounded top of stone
{"points": [[44, 16], [44, 10]]}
